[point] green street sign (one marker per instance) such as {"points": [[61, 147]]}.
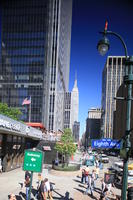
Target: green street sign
{"points": [[33, 161]]}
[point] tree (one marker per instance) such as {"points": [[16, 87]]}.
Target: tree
{"points": [[66, 145], [13, 113]]}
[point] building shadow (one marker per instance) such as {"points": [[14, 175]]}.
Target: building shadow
{"points": [[81, 186], [77, 181], [34, 191], [98, 190], [82, 191], [22, 194], [66, 197], [78, 176], [18, 197], [89, 195], [61, 196]]}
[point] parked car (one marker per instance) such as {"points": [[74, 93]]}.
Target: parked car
{"points": [[117, 168], [104, 158]]}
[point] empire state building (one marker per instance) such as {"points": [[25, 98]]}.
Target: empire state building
{"points": [[74, 104]]}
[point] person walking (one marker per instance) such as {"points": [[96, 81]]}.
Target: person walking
{"points": [[89, 187], [104, 189], [83, 176], [0, 166], [27, 185], [93, 176], [48, 189], [27, 173], [42, 191], [12, 197], [97, 172], [86, 174]]}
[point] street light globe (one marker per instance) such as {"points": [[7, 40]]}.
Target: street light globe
{"points": [[103, 46]]}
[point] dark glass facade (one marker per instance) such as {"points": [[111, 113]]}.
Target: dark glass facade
{"points": [[36, 37], [23, 54], [112, 79]]}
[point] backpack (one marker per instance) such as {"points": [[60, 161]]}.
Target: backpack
{"points": [[106, 188], [51, 187]]}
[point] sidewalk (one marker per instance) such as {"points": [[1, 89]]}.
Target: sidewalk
{"points": [[67, 185]]}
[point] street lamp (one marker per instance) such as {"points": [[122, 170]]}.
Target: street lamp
{"points": [[103, 47]]}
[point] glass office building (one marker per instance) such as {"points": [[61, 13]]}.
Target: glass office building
{"points": [[36, 39], [112, 78]]}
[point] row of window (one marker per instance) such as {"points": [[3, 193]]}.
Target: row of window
{"points": [[28, 43], [23, 35]]}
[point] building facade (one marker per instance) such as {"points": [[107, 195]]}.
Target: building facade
{"points": [[36, 38], [67, 111], [120, 116], [74, 104], [112, 78], [76, 129], [92, 125], [15, 138]]}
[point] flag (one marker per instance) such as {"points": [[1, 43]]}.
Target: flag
{"points": [[26, 101]]}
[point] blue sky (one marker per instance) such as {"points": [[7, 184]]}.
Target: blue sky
{"points": [[88, 19]]}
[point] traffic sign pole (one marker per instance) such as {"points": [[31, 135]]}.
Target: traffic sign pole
{"points": [[29, 195]]}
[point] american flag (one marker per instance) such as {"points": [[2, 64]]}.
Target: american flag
{"points": [[26, 101]]}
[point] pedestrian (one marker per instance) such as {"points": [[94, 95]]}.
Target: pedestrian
{"points": [[86, 174], [27, 185], [12, 197], [93, 176], [27, 173], [48, 189], [97, 172], [83, 176], [100, 164], [89, 186], [96, 163], [42, 191], [0, 166], [104, 189], [109, 186]]}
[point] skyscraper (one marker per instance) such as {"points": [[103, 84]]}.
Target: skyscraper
{"points": [[67, 112], [71, 111], [76, 128], [92, 125], [74, 104], [36, 38], [111, 80]]}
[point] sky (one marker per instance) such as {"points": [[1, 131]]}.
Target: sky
{"points": [[88, 18]]}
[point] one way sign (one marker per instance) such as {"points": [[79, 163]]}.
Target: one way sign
{"points": [[33, 161]]}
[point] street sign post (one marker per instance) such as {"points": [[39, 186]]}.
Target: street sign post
{"points": [[106, 143], [32, 162]]}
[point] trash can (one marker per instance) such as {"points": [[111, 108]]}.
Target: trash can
{"points": [[109, 177], [130, 193]]}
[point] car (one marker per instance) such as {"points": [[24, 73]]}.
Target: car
{"points": [[104, 158], [117, 168]]}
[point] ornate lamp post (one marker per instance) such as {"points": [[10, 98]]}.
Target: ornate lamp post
{"points": [[103, 47]]}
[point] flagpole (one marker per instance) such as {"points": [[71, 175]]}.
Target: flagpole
{"points": [[30, 111]]}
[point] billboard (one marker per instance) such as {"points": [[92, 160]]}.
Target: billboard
{"points": [[106, 143]]}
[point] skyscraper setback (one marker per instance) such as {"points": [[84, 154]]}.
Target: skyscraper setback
{"points": [[36, 38], [112, 78]]}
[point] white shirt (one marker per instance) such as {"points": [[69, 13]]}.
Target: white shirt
{"points": [[47, 184]]}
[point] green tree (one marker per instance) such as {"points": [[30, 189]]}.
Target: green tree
{"points": [[13, 113], [66, 145]]}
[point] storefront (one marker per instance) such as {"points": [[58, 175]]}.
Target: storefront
{"points": [[15, 137]]}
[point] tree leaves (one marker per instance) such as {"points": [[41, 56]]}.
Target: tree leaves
{"points": [[66, 145], [13, 113]]}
